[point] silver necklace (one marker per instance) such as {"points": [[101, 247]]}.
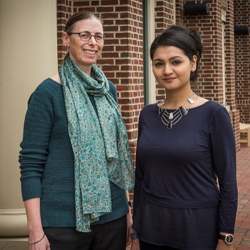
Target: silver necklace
{"points": [[171, 118]]}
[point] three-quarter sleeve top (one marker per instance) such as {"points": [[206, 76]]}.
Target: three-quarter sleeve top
{"points": [[183, 173]]}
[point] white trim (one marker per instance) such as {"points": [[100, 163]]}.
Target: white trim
{"points": [[151, 35]]}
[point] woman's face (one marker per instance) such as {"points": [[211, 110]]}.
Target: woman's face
{"points": [[85, 52], [172, 68]]}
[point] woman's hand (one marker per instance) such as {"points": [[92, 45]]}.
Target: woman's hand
{"points": [[132, 241], [135, 245], [222, 246], [129, 227], [38, 241]]}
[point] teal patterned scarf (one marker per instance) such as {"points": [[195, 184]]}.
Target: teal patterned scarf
{"points": [[99, 142]]}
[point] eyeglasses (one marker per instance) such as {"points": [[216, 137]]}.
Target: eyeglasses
{"points": [[85, 36]]}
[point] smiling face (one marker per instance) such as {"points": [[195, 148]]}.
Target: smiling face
{"points": [[172, 68], [85, 53]]}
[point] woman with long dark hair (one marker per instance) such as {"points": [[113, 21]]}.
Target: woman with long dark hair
{"points": [[185, 190]]}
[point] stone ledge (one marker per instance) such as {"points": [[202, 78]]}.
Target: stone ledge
{"points": [[13, 223], [13, 244]]}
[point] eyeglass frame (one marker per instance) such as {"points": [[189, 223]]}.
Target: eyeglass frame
{"points": [[89, 34]]}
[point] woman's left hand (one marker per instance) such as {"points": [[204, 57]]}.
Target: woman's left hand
{"points": [[129, 227], [222, 246]]}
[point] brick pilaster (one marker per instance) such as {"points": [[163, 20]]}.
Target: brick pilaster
{"points": [[64, 11], [228, 6], [242, 53]]}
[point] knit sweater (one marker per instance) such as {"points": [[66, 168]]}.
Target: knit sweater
{"points": [[177, 199], [47, 160]]}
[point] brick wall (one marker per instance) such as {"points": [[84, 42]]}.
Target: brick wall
{"points": [[209, 83], [122, 57], [242, 52], [228, 6], [179, 11]]}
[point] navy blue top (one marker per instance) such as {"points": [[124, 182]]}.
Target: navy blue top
{"points": [[47, 159], [177, 169]]}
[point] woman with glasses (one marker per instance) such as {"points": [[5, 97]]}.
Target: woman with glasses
{"points": [[75, 160]]}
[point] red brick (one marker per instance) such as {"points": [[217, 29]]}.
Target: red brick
{"points": [[129, 33], [105, 9]]}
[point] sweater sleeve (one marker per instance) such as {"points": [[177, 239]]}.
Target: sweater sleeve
{"points": [[224, 158], [138, 174], [34, 146]]}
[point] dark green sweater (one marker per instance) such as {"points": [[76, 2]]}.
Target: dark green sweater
{"points": [[47, 160]]}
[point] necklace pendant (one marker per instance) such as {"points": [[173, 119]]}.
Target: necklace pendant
{"points": [[170, 124], [184, 111], [171, 116], [190, 100]]}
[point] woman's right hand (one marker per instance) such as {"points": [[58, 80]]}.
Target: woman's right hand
{"points": [[38, 241], [134, 245]]}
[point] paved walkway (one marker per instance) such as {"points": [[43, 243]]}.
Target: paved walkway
{"points": [[243, 216]]}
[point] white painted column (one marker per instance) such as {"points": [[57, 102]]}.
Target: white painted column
{"points": [[150, 29], [28, 52]]}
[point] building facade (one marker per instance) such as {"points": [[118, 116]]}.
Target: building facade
{"points": [[223, 77], [129, 27]]}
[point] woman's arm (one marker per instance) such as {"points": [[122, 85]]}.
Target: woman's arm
{"points": [[33, 156], [224, 160], [34, 147], [34, 223]]}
